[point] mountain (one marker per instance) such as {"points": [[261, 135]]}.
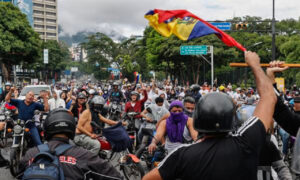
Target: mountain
{"points": [[80, 37]]}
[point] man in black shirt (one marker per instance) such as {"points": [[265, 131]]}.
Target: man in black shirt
{"points": [[76, 162], [287, 119], [219, 155]]}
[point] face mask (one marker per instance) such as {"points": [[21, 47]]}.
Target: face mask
{"points": [[97, 109], [177, 117], [188, 113]]}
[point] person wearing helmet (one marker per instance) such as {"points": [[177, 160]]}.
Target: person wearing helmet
{"points": [[195, 88], [218, 154], [85, 136], [79, 105], [76, 162], [6, 91], [116, 94], [135, 105]]}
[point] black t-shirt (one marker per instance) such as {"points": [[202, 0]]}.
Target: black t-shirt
{"points": [[234, 157]]}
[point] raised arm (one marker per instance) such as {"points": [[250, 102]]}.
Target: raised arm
{"points": [[8, 96], [287, 119], [265, 108]]}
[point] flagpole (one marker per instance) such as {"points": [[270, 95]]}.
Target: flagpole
{"points": [[212, 65], [273, 34]]}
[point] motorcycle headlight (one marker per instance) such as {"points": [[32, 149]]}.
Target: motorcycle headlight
{"points": [[18, 129], [44, 117], [2, 117], [114, 106]]}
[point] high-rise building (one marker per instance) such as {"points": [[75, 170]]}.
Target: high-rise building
{"points": [[45, 19]]}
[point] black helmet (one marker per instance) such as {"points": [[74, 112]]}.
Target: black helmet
{"points": [[214, 113], [97, 103], [195, 87], [59, 121]]}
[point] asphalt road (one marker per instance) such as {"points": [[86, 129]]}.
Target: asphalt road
{"points": [[4, 172]]}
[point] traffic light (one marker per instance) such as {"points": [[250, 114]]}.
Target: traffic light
{"points": [[241, 26]]}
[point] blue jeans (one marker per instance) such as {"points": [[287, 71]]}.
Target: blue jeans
{"points": [[285, 140], [34, 133]]}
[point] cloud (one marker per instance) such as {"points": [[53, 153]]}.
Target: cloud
{"points": [[127, 16]]}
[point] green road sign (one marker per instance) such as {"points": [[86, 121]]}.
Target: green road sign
{"points": [[193, 50]]}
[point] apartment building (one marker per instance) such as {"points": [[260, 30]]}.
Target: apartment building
{"points": [[45, 19]]}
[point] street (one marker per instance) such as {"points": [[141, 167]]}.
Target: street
{"points": [[4, 172]]}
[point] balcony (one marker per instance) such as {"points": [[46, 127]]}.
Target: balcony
{"points": [[49, 2], [38, 8]]}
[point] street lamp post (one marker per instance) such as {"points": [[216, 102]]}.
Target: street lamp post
{"points": [[273, 33]]}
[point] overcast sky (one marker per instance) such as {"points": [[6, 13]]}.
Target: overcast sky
{"points": [[127, 16]]}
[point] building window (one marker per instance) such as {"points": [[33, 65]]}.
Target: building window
{"points": [[39, 26], [51, 34], [38, 5], [38, 12], [50, 7], [51, 0], [51, 21], [50, 14], [51, 27], [41, 33], [38, 19]]}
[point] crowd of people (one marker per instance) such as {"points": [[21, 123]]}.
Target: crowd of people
{"points": [[196, 124]]}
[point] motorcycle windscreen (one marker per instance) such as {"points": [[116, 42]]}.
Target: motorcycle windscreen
{"points": [[296, 155]]}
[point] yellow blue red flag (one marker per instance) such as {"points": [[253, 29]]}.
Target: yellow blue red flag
{"points": [[186, 26]]}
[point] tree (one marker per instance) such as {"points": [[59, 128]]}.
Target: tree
{"points": [[18, 42], [59, 58], [102, 51]]}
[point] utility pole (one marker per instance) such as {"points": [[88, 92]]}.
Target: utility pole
{"points": [[273, 33]]}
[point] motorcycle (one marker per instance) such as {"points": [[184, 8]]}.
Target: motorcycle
{"points": [[21, 143], [39, 122], [133, 125], [151, 160], [114, 111], [6, 123], [129, 164]]}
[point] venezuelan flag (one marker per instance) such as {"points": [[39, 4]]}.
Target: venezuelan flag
{"points": [[186, 26], [137, 77]]}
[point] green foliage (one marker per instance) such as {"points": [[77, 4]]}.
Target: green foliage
{"points": [[160, 54], [59, 55], [19, 44]]}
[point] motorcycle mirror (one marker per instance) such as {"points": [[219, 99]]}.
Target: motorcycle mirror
{"points": [[149, 110], [36, 112], [296, 155]]}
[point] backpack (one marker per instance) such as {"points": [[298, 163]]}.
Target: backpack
{"points": [[46, 165]]}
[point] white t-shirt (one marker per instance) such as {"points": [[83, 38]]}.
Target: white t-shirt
{"points": [[56, 103]]}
